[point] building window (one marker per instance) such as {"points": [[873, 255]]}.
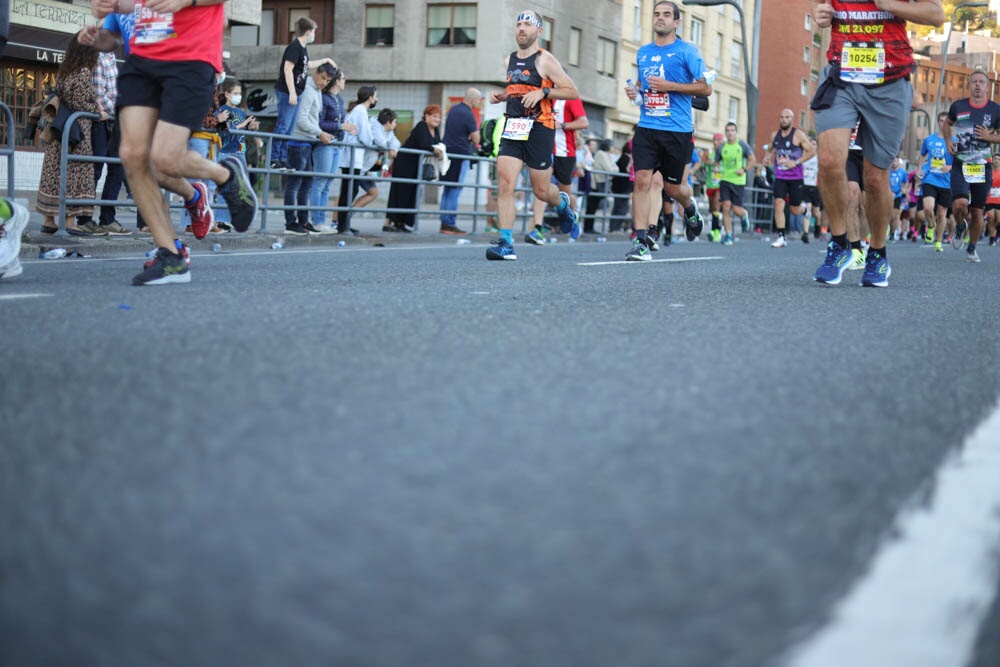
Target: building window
{"points": [[637, 20], [716, 105], [719, 41], [575, 37], [697, 28], [451, 25], [548, 30], [734, 109], [278, 17], [294, 14], [802, 119], [378, 25], [251, 35], [20, 87], [606, 56], [804, 88], [809, 21], [736, 60], [806, 55]]}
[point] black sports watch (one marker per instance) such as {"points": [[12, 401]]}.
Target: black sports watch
{"points": [[545, 92]]}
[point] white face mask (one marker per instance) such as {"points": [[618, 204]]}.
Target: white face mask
{"points": [[235, 100], [219, 78]]}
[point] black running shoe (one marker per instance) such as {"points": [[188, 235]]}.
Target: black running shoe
{"points": [[238, 193], [165, 269]]}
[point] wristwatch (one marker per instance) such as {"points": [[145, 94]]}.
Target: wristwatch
{"points": [[545, 92]]}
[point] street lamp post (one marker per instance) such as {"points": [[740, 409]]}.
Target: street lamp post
{"points": [[753, 94], [944, 52]]}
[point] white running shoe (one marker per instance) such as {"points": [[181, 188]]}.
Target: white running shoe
{"points": [[12, 269], [779, 242], [10, 234]]}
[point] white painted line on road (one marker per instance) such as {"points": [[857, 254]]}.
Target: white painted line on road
{"points": [[11, 297], [930, 585], [675, 260]]}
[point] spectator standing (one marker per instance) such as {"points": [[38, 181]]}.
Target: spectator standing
{"points": [[299, 157], [461, 136], [603, 162], [232, 144], [352, 156], [621, 185], [424, 136], [292, 76], [75, 85], [326, 157], [104, 140]]}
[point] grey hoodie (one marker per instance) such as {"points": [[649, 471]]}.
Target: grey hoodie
{"points": [[310, 106]]}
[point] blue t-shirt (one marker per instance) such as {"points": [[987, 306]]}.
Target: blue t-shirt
{"points": [[679, 62], [932, 173], [121, 24], [896, 179], [232, 143]]}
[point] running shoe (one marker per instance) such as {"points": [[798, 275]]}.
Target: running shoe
{"points": [[651, 242], [727, 239], [858, 258], [877, 271], [568, 223], [12, 269], [201, 214], [938, 246], [929, 235], [165, 269], [11, 230], [960, 231], [184, 250], [694, 224], [501, 249], [836, 262], [780, 242], [535, 237], [238, 193], [714, 235], [972, 256], [993, 241], [805, 237], [639, 252]]}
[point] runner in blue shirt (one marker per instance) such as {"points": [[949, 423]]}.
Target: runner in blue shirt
{"points": [[935, 175], [671, 71], [899, 184]]}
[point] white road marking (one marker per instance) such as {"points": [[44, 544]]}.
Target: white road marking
{"points": [[932, 582], [11, 297], [675, 260]]}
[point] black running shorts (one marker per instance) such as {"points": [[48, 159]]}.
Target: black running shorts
{"points": [[536, 151], [181, 90], [663, 151], [790, 189]]}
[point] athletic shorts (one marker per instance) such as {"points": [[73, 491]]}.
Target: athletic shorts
{"points": [[897, 203], [992, 207], [663, 151], [732, 192], [791, 189], [562, 169], [711, 192], [976, 193], [810, 194], [941, 196], [886, 110], [536, 151], [856, 168], [181, 90]]}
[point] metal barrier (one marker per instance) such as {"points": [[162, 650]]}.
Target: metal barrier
{"points": [[8, 151]]}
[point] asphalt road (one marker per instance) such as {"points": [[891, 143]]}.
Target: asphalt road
{"points": [[413, 456]]}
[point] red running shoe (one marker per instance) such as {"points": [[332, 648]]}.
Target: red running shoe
{"points": [[201, 214]]}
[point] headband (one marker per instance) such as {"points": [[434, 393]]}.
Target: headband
{"points": [[530, 18]]}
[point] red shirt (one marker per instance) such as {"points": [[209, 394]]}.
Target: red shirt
{"points": [[193, 33], [994, 197], [566, 111], [861, 23]]}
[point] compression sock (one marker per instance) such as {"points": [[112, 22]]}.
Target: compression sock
{"points": [[507, 235]]}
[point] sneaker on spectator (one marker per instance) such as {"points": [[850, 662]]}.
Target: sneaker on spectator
{"points": [[219, 229], [877, 271], [278, 165], [114, 228], [238, 193], [310, 229], [535, 236], [454, 230], [327, 228], [201, 214], [639, 252], [501, 249], [164, 269], [224, 227], [295, 229], [11, 230], [90, 228], [836, 262]]}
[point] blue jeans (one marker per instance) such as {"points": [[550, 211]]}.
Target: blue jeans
{"points": [[283, 125], [199, 146], [297, 187], [219, 205], [449, 198], [325, 159]]}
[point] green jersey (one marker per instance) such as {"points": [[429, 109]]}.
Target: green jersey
{"points": [[734, 157]]}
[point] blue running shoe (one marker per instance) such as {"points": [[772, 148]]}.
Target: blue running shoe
{"points": [[567, 217], [877, 271], [727, 239], [836, 262], [501, 249], [535, 237]]}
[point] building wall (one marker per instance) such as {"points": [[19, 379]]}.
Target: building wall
{"points": [[790, 64]]}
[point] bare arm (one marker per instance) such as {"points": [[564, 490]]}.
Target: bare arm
{"points": [[99, 38], [699, 87], [287, 69], [808, 150], [924, 12]]}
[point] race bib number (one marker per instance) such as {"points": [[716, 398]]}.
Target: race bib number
{"points": [[152, 27], [937, 165], [862, 64], [518, 129], [656, 104], [974, 173], [994, 193]]}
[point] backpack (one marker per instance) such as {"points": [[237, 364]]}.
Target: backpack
{"points": [[486, 145]]}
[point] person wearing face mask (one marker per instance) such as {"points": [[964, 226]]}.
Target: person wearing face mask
{"points": [[292, 75], [232, 144]]}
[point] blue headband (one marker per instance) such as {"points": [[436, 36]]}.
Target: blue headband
{"points": [[531, 18]]}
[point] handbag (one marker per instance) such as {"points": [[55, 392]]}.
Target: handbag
{"points": [[429, 172], [57, 114]]}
